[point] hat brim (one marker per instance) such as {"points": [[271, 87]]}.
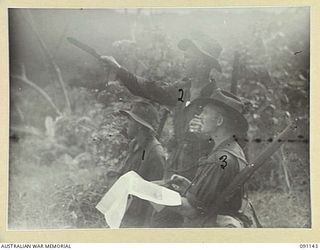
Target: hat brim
{"points": [[185, 44], [235, 115], [137, 119]]}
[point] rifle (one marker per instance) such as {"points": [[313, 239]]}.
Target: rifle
{"points": [[243, 176]]}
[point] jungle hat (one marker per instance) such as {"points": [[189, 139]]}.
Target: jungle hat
{"points": [[231, 104], [143, 113], [209, 48]]}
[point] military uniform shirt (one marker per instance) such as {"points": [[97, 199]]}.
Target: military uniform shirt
{"points": [[214, 174]]}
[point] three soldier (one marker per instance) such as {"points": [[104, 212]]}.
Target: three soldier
{"points": [[205, 157]]}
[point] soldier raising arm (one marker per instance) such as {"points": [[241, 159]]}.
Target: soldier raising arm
{"points": [[198, 64], [200, 59]]}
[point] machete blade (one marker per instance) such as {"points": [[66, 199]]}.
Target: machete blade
{"points": [[83, 47]]}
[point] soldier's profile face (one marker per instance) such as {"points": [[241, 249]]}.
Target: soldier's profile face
{"points": [[210, 116]]}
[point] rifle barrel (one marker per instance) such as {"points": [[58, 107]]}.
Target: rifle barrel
{"points": [[257, 163]]}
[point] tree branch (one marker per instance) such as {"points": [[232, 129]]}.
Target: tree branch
{"points": [[23, 78], [50, 60]]}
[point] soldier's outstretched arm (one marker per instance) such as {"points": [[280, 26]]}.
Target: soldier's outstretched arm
{"points": [[156, 91]]}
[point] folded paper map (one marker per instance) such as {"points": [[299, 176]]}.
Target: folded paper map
{"points": [[114, 203]]}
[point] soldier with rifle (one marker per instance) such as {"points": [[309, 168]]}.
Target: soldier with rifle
{"points": [[215, 197], [219, 118]]}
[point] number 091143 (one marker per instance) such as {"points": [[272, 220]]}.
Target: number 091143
{"points": [[308, 245]]}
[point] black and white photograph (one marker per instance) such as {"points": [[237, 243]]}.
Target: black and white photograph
{"points": [[159, 118]]}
